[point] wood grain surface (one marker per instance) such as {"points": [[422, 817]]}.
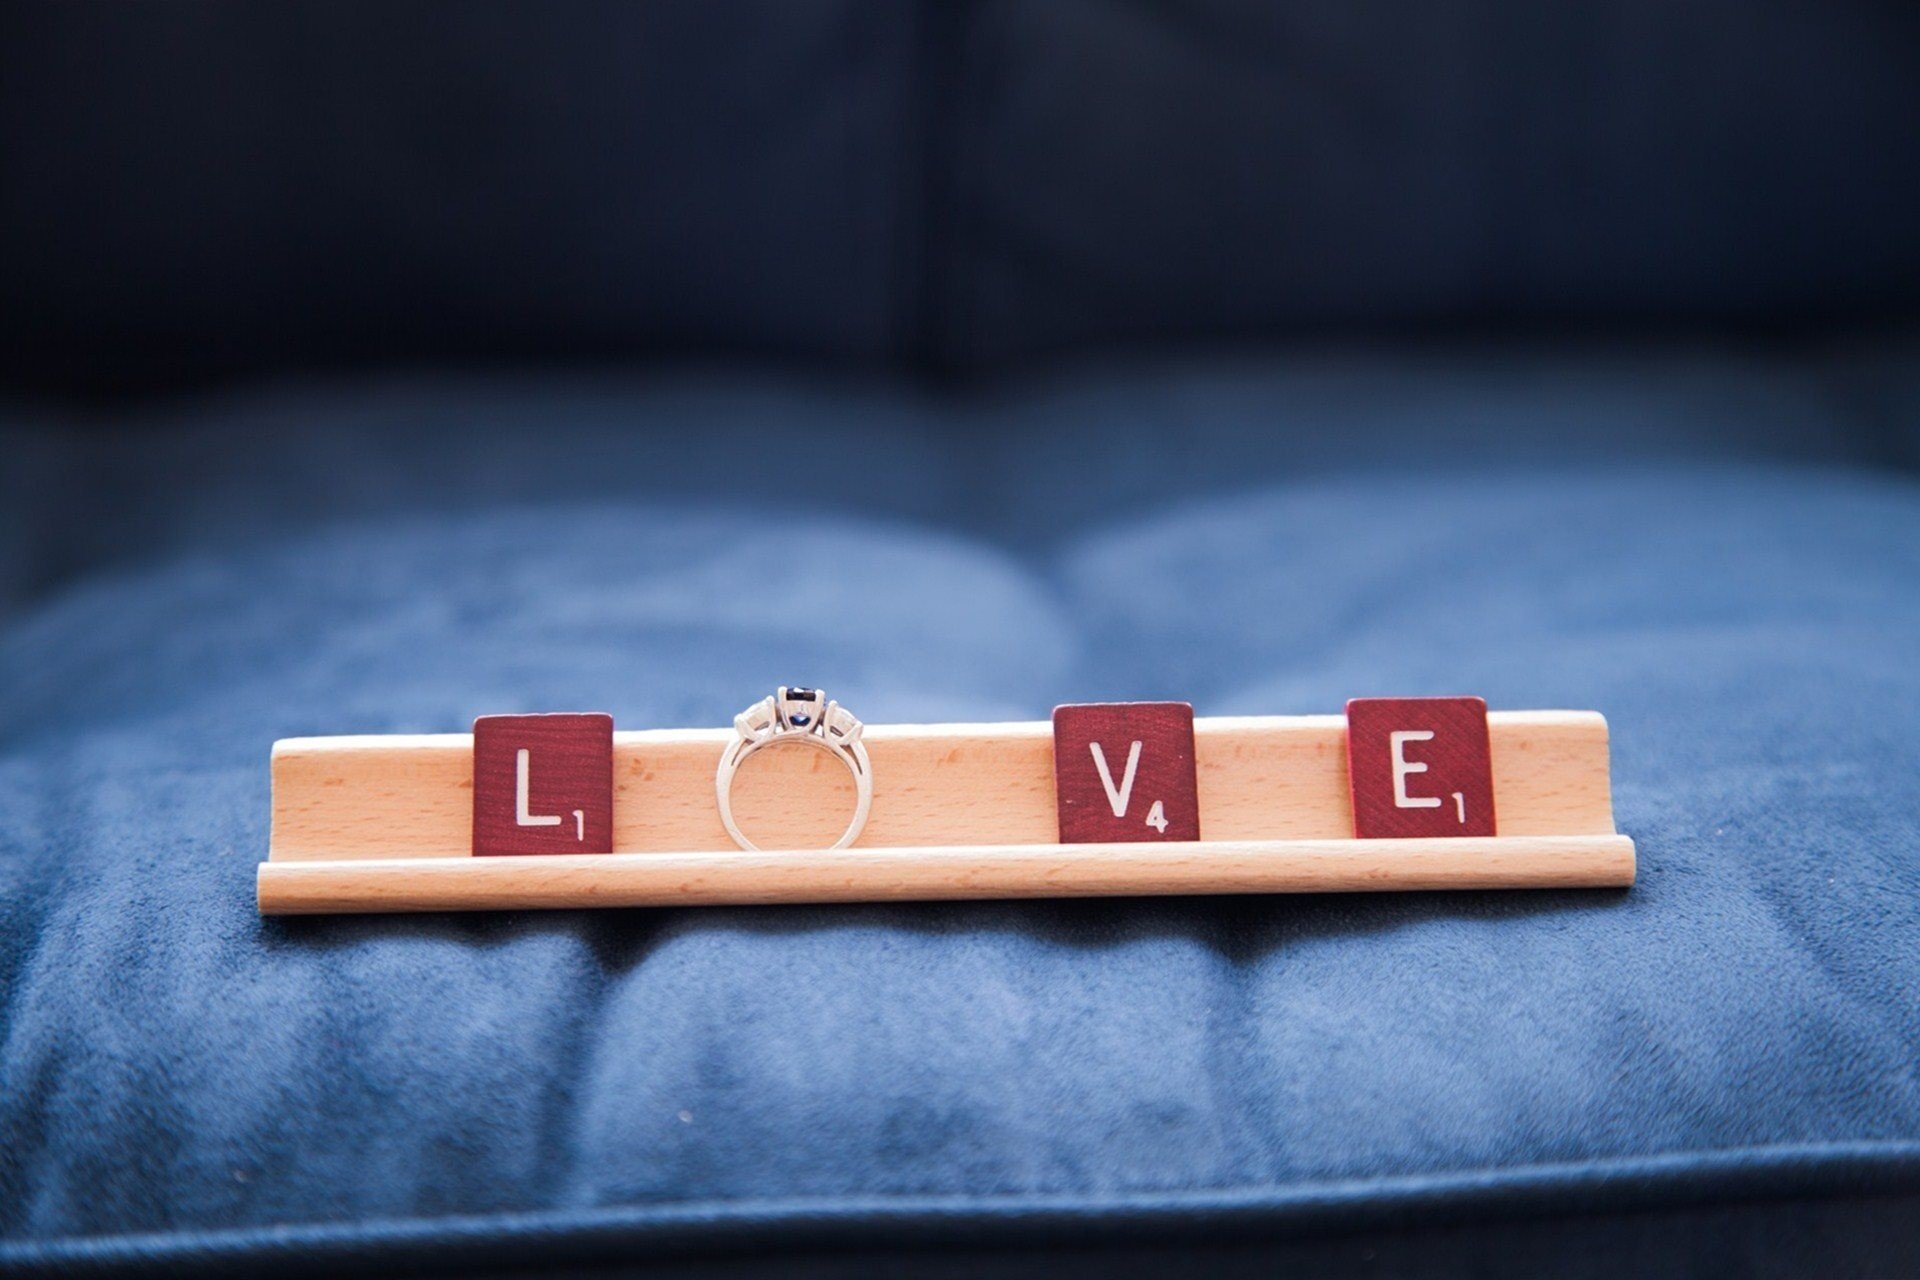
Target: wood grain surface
{"points": [[929, 874]]}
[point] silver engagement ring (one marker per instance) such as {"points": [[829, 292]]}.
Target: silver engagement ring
{"points": [[797, 715]]}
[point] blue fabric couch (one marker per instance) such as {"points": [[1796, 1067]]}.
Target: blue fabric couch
{"points": [[369, 367]]}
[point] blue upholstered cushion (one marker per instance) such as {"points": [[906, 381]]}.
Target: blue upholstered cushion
{"points": [[1713, 1068], [1024, 465]]}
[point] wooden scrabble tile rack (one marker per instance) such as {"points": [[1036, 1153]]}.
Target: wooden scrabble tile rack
{"points": [[365, 824]]}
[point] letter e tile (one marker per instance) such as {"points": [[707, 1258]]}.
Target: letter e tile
{"points": [[1125, 771], [1420, 767], [543, 784]]}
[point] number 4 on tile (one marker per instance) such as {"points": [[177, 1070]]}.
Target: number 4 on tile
{"points": [[1124, 771]]}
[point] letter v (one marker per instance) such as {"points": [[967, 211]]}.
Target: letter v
{"points": [[1118, 799]]}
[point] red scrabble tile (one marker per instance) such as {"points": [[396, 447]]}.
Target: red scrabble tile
{"points": [[1124, 771], [543, 784], [1420, 767]]}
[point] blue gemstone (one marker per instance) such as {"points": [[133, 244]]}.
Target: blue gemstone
{"points": [[802, 721]]}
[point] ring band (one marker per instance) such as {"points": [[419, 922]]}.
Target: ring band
{"points": [[797, 715]]}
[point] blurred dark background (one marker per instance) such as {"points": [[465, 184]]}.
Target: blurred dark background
{"points": [[1016, 264], [208, 191]]}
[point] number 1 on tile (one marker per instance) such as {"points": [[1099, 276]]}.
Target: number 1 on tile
{"points": [[543, 784], [1420, 767]]}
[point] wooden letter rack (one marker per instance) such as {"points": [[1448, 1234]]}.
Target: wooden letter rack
{"points": [[959, 811]]}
